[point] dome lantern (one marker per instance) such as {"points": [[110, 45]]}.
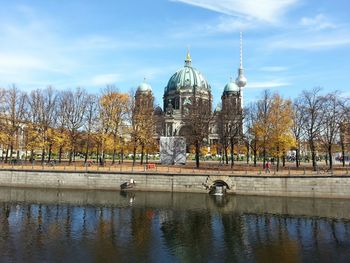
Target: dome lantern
{"points": [[188, 60]]}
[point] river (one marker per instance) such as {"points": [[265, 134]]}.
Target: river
{"points": [[106, 226]]}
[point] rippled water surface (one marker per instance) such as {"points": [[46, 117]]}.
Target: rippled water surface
{"points": [[102, 226]]}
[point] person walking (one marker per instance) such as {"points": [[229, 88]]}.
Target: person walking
{"points": [[267, 167]]}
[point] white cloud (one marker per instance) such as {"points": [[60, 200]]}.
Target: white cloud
{"points": [[13, 62], [319, 22], [267, 84], [105, 79], [264, 10], [228, 24], [312, 42]]}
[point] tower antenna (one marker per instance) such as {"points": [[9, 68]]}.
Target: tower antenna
{"points": [[241, 51]]}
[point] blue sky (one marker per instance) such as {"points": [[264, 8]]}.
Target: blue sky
{"points": [[289, 45]]}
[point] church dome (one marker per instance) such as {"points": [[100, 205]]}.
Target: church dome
{"points": [[187, 78], [144, 87], [231, 87]]}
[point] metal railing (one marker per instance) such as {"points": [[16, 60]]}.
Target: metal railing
{"points": [[211, 169]]}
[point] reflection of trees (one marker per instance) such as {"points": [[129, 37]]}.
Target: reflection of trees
{"points": [[42, 232], [141, 231], [189, 238], [104, 249], [277, 246], [233, 236]]}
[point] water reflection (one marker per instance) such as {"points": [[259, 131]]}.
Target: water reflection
{"points": [[93, 226]]}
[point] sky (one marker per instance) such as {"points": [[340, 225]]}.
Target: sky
{"points": [[288, 45]]}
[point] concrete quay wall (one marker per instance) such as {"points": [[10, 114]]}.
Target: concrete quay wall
{"points": [[294, 186]]}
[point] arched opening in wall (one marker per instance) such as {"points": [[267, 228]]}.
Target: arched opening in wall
{"points": [[218, 187]]}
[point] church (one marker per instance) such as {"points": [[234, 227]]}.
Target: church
{"points": [[188, 83]]}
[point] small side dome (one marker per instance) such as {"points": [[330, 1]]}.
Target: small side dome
{"points": [[231, 87], [217, 108], [144, 87]]}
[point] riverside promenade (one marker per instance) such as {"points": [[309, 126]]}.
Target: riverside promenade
{"points": [[300, 183]]}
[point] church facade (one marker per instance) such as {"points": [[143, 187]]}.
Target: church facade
{"points": [[187, 84]]}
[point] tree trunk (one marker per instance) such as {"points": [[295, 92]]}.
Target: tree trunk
{"points": [[70, 156], [134, 155], [254, 152], [103, 158], [142, 152], [50, 154], [278, 159], [232, 153], [248, 153], [284, 159], [197, 154], [31, 158], [7, 155], [313, 156], [60, 154], [114, 154], [86, 152], [264, 157], [330, 156], [97, 153], [297, 157], [11, 151], [43, 155], [226, 155], [343, 153]]}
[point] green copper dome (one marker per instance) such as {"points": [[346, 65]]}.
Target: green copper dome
{"points": [[231, 87], [187, 78]]}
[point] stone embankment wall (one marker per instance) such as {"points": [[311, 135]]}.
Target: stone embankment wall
{"points": [[298, 186]]}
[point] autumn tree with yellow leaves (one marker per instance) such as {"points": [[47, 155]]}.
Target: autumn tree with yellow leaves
{"points": [[142, 123], [113, 115], [280, 123]]}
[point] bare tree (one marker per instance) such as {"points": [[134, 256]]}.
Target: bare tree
{"points": [[198, 117], [14, 112], [297, 130], [221, 122], [42, 105], [263, 115], [230, 127], [251, 136], [312, 106], [333, 117], [90, 122], [73, 108], [345, 129]]}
